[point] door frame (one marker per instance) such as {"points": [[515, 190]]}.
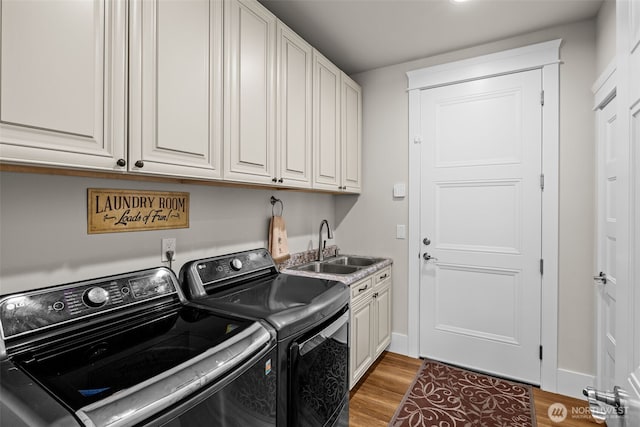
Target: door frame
{"points": [[544, 56], [604, 91]]}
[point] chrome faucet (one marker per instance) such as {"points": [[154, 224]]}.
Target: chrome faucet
{"points": [[329, 236]]}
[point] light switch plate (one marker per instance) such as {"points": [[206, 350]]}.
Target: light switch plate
{"points": [[401, 231], [399, 190]]}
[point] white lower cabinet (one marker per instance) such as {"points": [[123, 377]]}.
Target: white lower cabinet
{"points": [[370, 322], [361, 351]]}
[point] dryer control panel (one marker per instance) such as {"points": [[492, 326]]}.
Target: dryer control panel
{"points": [[206, 275]]}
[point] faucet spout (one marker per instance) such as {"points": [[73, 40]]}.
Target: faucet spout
{"points": [[329, 236]]}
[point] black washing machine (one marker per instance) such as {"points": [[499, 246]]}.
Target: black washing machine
{"points": [[125, 350]]}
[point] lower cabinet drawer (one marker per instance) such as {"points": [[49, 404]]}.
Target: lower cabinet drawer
{"points": [[360, 288]]}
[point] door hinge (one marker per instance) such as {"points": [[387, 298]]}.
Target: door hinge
{"points": [[542, 98], [541, 266], [542, 181], [540, 353]]}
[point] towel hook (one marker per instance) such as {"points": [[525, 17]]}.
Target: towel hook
{"points": [[273, 205]]}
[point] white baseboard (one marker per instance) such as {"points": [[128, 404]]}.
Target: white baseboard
{"points": [[571, 383], [399, 344]]}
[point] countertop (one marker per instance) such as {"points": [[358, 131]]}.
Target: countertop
{"points": [[347, 279]]}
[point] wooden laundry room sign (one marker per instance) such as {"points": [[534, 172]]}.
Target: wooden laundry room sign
{"points": [[115, 211]]}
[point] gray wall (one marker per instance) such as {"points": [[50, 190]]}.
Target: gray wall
{"points": [[44, 240], [368, 224], [605, 35]]}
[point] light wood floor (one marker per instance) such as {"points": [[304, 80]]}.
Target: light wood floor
{"points": [[376, 397]]}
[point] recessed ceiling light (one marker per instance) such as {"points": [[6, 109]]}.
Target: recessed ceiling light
{"points": [[459, 1]]}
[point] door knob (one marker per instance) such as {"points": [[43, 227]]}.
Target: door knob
{"points": [[428, 257], [602, 278], [426, 241]]}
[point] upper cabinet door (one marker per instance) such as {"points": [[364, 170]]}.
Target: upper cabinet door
{"points": [[326, 125], [63, 83], [176, 88], [295, 87], [249, 126], [351, 135]]}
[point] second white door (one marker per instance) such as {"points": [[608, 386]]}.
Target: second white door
{"points": [[607, 243], [480, 281]]}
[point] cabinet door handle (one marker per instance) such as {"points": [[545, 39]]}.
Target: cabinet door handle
{"points": [[139, 164], [275, 180], [281, 180], [363, 289], [121, 162]]}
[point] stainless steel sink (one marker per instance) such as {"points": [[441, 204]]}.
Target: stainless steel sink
{"points": [[353, 261], [326, 267]]}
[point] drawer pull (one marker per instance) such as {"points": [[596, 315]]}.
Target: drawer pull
{"points": [[363, 289], [384, 277]]}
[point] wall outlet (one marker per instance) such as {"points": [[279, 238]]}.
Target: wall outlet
{"points": [[168, 245]]}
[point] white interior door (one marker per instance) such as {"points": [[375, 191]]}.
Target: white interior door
{"points": [[606, 262], [481, 224], [627, 205], [628, 208]]}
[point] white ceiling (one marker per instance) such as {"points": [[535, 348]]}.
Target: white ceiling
{"points": [[360, 35]]}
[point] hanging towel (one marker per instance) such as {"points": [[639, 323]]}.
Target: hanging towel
{"points": [[278, 245]]}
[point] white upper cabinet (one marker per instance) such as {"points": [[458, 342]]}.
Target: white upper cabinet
{"points": [[337, 129], [63, 83], [201, 89], [249, 124], [351, 135], [175, 96], [295, 87], [326, 124]]}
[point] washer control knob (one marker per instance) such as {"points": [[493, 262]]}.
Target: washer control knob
{"points": [[236, 264], [95, 297]]}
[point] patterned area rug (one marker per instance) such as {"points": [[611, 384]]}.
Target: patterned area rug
{"points": [[446, 396]]}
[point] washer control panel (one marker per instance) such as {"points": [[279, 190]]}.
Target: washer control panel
{"points": [[27, 312]]}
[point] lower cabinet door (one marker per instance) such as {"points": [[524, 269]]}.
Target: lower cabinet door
{"points": [[361, 353], [382, 319]]}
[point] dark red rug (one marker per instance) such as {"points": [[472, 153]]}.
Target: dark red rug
{"points": [[446, 396]]}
